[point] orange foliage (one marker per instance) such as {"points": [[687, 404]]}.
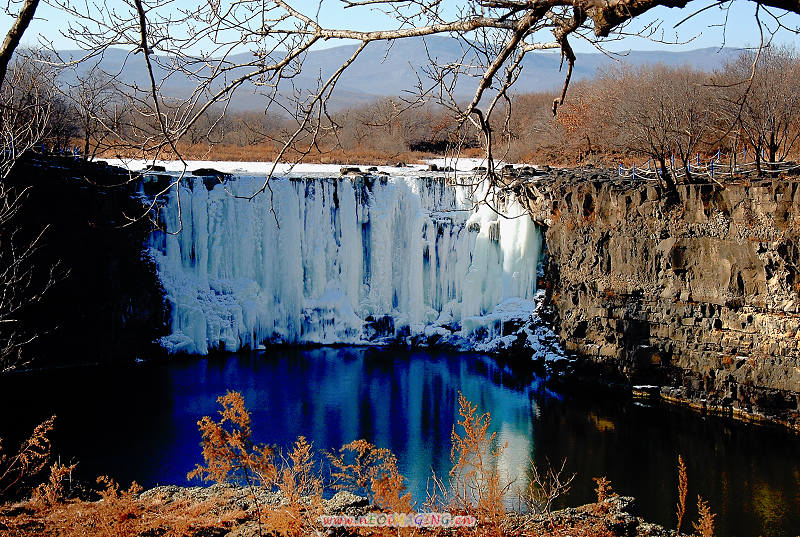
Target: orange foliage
{"points": [[360, 466], [603, 488], [683, 488], [229, 450], [52, 492], [475, 481], [120, 513], [231, 455], [30, 459], [283, 492], [705, 524]]}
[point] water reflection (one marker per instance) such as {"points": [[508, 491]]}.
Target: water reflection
{"points": [[405, 401], [140, 423]]}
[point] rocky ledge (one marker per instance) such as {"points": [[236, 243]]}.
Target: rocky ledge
{"points": [[694, 292], [613, 516]]}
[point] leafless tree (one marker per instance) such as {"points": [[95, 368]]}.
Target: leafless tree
{"points": [[643, 115], [96, 102], [544, 487], [22, 17], [26, 100], [760, 100], [495, 36], [21, 284], [661, 112], [24, 113], [690, 115], [62, 125]]}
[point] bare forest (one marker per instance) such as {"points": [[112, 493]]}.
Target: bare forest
{"points": [[745, 111]]}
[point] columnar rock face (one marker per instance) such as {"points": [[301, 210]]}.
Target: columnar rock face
{"points": [[697, 292]]}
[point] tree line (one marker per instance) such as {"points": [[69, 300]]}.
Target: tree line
{"points": [[747, 109]]}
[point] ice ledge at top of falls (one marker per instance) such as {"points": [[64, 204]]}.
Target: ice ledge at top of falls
{"points": [[366, 260]]}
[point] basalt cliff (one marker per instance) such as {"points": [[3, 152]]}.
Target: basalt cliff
{"points": [[694, 293]]}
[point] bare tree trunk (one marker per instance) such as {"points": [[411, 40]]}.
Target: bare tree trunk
{"points": [[86, 136], [772, 148], [758, 160], [14, 35], [666, 176]]}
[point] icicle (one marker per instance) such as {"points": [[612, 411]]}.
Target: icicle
{"points": [[352, 261]]}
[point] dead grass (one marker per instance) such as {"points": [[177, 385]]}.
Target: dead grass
{"points": [[683, 488], [284, 490], [118, 513], [30, 459], [705, 524]]}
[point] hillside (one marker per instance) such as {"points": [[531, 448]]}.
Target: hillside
{"points": [[389, 69]]}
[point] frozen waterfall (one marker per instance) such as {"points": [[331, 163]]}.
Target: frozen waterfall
{"points": [[341, 260]]}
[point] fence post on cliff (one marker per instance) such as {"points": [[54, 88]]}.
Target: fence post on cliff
{"points": [[619, 170], [712, 168]]}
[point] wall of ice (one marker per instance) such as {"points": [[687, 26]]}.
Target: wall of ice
{"points": [[341, 260]]}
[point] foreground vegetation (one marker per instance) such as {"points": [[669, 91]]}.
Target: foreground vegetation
{"points": [[261, 490]]}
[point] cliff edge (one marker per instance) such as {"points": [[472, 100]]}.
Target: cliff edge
{"points": [[695, 294]]}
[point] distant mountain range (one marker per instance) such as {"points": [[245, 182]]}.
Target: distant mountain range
{"points": [[378, 73]]}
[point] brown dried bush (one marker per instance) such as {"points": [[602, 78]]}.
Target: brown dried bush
{"points": [[705, 523], [683, 488], [361, 467], [30, 459]]}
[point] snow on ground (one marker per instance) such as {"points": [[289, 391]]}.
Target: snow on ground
{"points": [[263, 168]]}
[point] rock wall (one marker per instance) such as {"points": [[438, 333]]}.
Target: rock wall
{"points": [[697, 292], [106, 303]]}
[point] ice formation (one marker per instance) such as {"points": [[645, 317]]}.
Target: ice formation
{"points": [[363, 259]]}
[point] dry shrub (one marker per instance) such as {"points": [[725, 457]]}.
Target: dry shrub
{"points": [[30, 459], [545, 487], [52, 491], [705, 523], [683, 488], [186, 518], [604, 492], [603, 488], [231, 456], [475, 488], [301, 490], [360, 467], [228, 448], [118, 512], [475, 485]]}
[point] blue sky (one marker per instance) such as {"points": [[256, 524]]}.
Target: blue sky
{"points": [[698, 32]]}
